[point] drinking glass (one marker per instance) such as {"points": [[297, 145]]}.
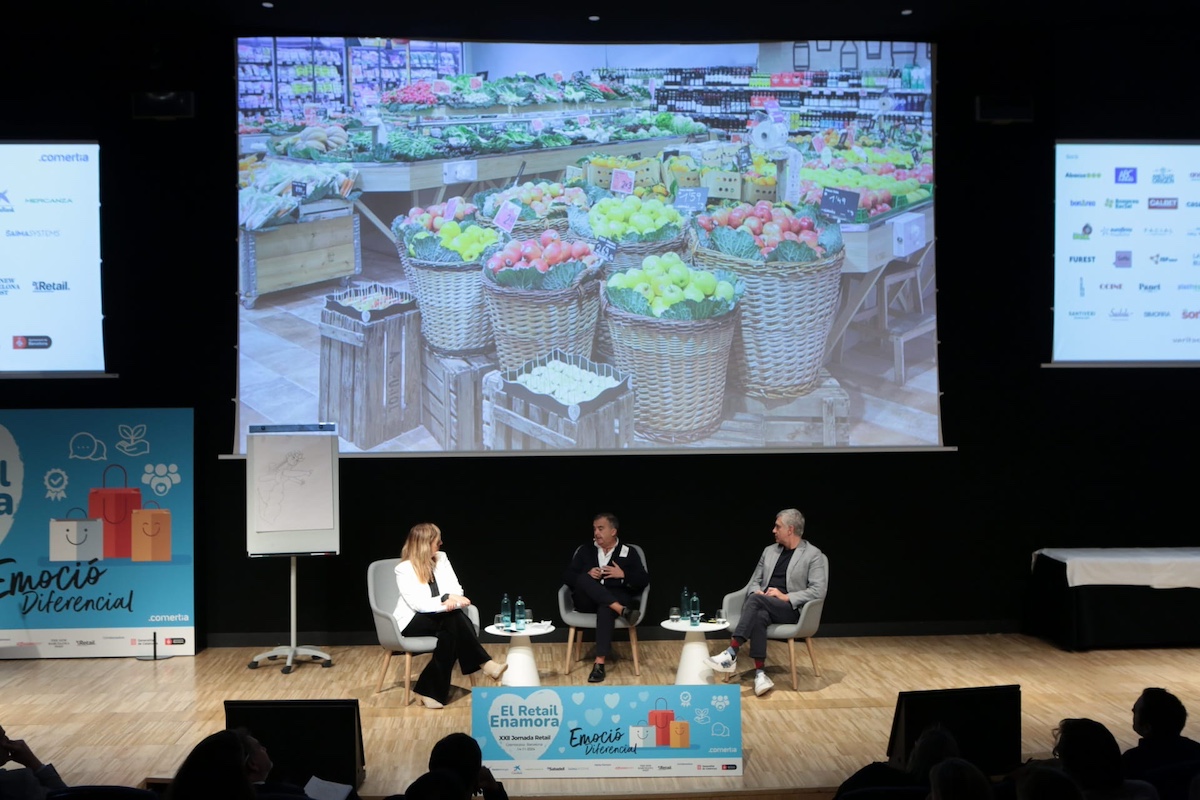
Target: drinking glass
{"points": [[673, 614], [499, 621]]}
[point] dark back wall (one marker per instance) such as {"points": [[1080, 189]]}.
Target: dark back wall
{"points": [[918, 542]]}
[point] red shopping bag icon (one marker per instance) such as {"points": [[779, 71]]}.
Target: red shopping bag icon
{"points": [[115, 506]]}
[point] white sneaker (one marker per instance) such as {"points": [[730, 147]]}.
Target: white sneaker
{"points": [[428, 702], [722, 662], [762, 684]]}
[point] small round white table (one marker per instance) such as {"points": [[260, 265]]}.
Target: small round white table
{"points": [[522, 667], [692, 668]]}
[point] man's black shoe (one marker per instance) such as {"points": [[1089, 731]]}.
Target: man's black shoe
{"points": [[631, 616], [597, 673]]}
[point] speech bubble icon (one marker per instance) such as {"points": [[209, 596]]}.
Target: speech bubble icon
{"points": [[534, 740], [12, 480], [87, 447], [719, 729]]}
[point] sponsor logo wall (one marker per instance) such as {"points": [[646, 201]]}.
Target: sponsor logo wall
{"points": [[96, 532], [1147, 201]]}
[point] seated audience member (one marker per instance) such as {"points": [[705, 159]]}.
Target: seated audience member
{"points": [[1046, 783], [933, 745], [1091, 757], [459, 753], [30, 783], [215, 768], [438, 784], [1158, 717], [958, 779]]}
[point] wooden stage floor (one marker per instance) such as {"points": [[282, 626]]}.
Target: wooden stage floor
{"points": [[121, 720]]}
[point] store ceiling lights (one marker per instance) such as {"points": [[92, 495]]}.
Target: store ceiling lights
{"points": [[268, 5], [906, 12], [593, 18]]}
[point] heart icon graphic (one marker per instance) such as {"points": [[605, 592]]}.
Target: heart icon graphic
{"points": [[577, 697], [10, 456], [633, 703], [643, 696], [593, 716], [616, 718], [562, 749], [611, 700], [536, 739]]}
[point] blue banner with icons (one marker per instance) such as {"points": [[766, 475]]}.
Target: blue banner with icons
{"points": [[96, 533], [609, 731]]}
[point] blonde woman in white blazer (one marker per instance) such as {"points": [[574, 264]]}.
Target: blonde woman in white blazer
{"points": [[432, 604]]}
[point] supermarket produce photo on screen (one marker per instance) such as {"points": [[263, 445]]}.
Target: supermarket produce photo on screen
{"points": [[489, 248]]}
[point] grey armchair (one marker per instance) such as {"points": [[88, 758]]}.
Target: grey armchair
{"points": [[383, 594], [805, 628], [577, 620]]}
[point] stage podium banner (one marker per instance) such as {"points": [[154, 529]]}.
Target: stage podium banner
{"points": [[75, 485], [609, 731]]}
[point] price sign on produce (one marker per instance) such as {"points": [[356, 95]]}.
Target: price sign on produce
{"points": [[622, 181], [916, 155], [557, 75], [744, 159], [841, 204], [584, 119], [771, 105], [574, 173], [299, 189], [441, 87], [451, 208], [691, 198], [537, 124], [475, 83], [506, 217], [668, 154], [605, 249]]}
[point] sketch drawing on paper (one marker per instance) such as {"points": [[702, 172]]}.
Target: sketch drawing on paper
{"points": [[275, 483]]}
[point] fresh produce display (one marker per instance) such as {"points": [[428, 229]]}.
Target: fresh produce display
{"points": [[466, 242], [566, 383], [547, 262], [536, 200], [769, 232], [317, 138], [433, 217], [876, 193], [267, 195], [664, 286], [762, 172], [415, 95], [428, 235], [630, 220], [258, 210], [681, 164]]}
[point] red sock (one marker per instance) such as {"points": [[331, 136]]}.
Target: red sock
{"points": [[759, 663], [735, 644]]}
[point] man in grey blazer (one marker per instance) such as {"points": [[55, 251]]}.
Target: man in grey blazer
{"points": [[31, 783], [789, 574]]}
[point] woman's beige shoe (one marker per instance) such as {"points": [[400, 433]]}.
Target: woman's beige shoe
{"points": [[428, 702], [494, 670]]}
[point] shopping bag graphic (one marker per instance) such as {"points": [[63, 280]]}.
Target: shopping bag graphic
{"points": [[151, 534], [681, 734], [642, 736], [114, 505], [76, 539], [661, 718]]}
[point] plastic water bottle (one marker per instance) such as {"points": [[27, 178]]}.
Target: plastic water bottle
{"points": [[505, 613], [520, 614], [695, 610]]}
